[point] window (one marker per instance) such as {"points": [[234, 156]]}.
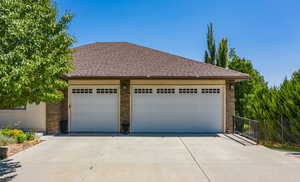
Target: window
{"points": [[210, 90], [165, 91], [14, 108], [106, 91], [82, 91], [188, 90], [143, 90]]}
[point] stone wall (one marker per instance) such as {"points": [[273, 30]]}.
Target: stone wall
{"points": [[230, 106], [124, 104]]}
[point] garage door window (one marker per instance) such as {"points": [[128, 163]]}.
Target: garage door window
{"points": [[143, 91], [165, 91], [106, 91], [210, 90], [82, 91], [188, 90]]}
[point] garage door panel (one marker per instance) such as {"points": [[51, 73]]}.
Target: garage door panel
{"points": [[94, 112], [178, 112]]}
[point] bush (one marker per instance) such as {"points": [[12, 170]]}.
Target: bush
{"points": [[31, 135], [5, 140], [17, 135], [21, 137]]}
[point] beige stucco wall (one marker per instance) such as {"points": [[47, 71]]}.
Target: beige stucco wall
{"points": [[34, 117]]}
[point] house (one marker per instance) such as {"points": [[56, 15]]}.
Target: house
{"points": [[117, 84]]}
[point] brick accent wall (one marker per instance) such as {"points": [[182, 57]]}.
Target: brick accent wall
{"points": [[124, 103], [53, 117], [55, 113], [230, 106]]}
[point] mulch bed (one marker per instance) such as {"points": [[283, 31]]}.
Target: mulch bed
{"points": [[18, 147]]}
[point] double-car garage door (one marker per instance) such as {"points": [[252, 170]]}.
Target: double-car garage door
{"points": [[177, 109], [153, 109]]}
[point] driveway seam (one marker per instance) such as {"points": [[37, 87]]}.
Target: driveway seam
{"points": [[193, 157]]}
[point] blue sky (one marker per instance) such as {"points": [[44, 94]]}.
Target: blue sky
{"points": [[264, 31]]}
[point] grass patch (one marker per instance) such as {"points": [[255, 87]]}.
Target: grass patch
{"points": [[283, 147]]}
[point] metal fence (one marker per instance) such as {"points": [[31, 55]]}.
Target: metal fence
{"points": [[246, 127]]}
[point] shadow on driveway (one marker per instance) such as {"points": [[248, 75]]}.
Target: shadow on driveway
{"points": [[7, 170]]}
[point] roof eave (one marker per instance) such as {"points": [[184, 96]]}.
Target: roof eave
{"points": [[235, 78]]}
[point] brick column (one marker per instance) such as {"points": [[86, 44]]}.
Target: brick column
{"points": [[230, 106], [124, 104], [55, 113], [53, 117], [65, 106]]}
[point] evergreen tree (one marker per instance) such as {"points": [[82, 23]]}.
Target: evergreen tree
{"points": [[222, 56], [210, 55], [206, 57]]}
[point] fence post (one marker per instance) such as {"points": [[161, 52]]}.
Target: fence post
{"points": [[234, 124]]}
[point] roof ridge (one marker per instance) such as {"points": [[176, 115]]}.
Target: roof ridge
{"points": [[93, 43]]}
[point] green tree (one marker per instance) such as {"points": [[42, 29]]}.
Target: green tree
{"points": [[222, 56], [278, 110], [34, 52], [289, 107], [210, 54], [244, 89]]}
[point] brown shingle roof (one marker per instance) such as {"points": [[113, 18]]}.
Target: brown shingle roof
{"points": [[126, 60]]}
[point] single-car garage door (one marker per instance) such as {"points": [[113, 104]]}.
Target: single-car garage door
{"points": [[94, 109], [177, 109]]}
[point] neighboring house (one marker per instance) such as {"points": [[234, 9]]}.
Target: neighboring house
{"points": [[119, 83]]}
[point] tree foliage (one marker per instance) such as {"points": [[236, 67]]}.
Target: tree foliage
{"points": [[278, 108], [222, 56], [213, 55], [244, 89], [34, 52], [210, 54]]}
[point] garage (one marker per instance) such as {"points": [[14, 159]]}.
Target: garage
{"points": [[193, 109], [94, 109]]}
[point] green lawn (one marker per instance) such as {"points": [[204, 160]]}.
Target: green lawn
{"points": [[283, 147]]}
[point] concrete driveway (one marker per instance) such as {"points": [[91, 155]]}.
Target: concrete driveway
{"points": [[149, 158]]}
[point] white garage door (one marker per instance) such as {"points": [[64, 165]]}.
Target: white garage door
{"points": [[94, 109], [178, 109]]}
